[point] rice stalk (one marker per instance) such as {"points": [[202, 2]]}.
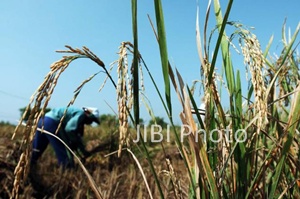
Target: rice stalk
{"points": [[107, 77], [293, 124], [178, 92], [175, 181], [87, 53], [93, 185], [254, 59], [43, 93], [129, 49], [162, 42], [221, 23], [39, 100], [206, 174], [124, 95], [135, 64], [142, 172], [77, 91], [277, 151]]}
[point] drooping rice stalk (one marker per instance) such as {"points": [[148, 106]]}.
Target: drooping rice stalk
{"points": [[39, 101], [265, 165], [254, 59]]}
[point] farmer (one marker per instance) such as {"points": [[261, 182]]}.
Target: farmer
{"points": [[70, 131]]}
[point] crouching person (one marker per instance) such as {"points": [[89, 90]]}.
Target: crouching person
{"points": [[71, 132]]}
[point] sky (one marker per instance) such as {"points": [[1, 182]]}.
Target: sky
{"points": [[32, 31]]}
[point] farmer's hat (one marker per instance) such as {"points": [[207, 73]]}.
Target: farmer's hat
{"points": [[93, 113]]}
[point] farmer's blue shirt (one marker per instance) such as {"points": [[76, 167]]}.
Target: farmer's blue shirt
{"points": [[73, 118], [72, 127]]}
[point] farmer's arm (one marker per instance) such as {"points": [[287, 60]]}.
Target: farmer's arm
{"points": [[75, 129]]}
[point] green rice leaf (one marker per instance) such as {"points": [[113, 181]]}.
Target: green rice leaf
{"points": [[162, 41]]}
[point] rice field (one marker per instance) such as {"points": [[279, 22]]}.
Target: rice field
{"points": [[254, 154], [117, 177]]}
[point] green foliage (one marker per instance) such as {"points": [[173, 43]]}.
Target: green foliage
{"points": [[22, 111], [141, 121], [108, 120], [158, 121], [4, 123]]}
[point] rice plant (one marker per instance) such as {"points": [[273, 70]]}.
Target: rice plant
{"points": [[250, 147]]}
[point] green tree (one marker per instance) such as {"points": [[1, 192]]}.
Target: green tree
{"points": [[141, 121], [158, 121], [22, 110], [108, 119]]}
